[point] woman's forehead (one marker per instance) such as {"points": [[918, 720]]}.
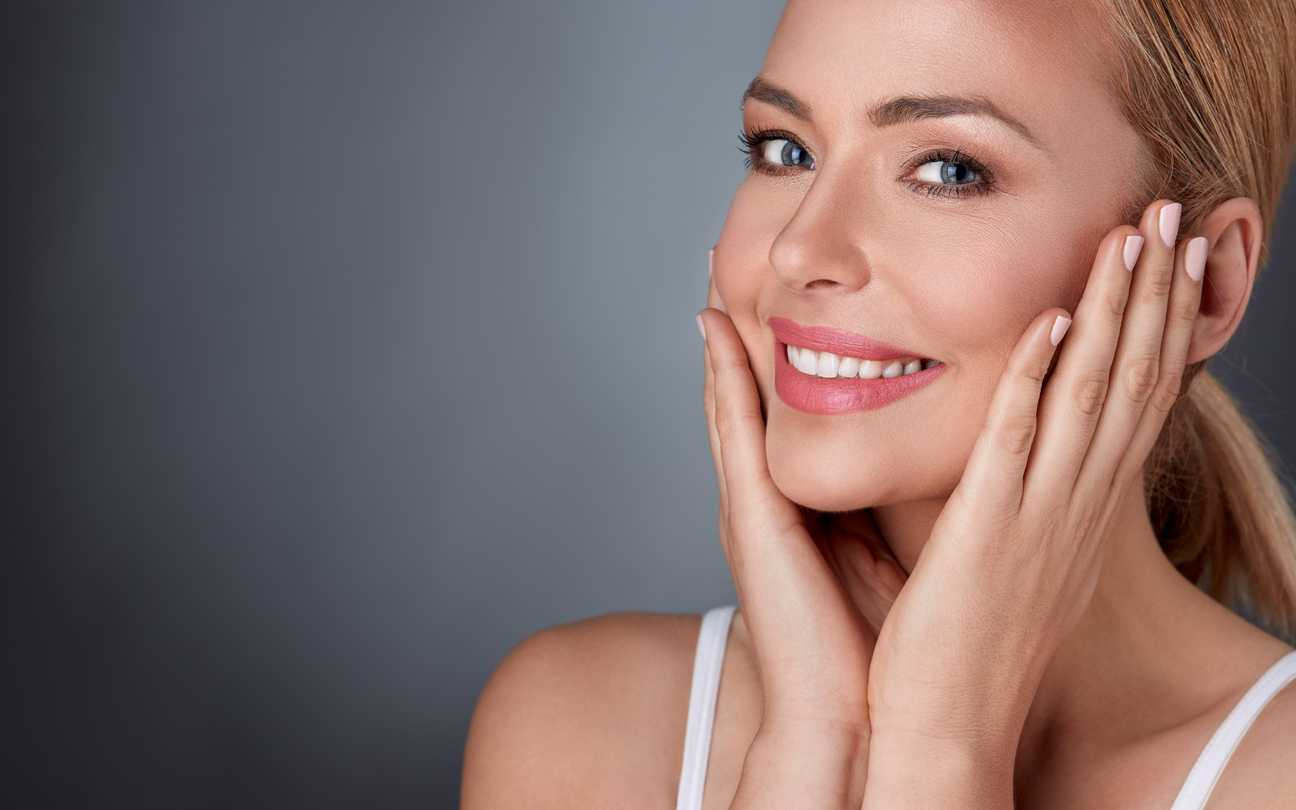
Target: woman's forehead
{"points": [[1039, 62]]}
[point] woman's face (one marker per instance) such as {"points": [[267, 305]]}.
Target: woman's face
{"points": [[929, 175]]}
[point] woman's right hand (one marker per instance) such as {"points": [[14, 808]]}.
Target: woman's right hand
{"points": [[813, 590]]}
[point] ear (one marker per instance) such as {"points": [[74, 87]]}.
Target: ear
{"points": [[1236, 233]]}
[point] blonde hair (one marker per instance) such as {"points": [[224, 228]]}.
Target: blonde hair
{"points": [[1210, 86]]}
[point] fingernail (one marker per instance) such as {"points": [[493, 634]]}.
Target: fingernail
{"points": [[1170, 223], [710, 262], [1060, 327], [1195, 258], [702, 328], [1133, 247]]}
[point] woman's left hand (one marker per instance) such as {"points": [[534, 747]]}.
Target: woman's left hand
{"points": [[1014, 557]]}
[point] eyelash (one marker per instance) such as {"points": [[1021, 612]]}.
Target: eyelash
{"points": [[753, 142], [985, 177]]}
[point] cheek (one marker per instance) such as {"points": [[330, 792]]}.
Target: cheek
{"points": [[991, 290], [741, 267], [976, 302], [965, 296]]}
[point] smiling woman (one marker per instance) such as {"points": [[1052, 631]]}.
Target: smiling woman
{"points": [[974, 480]]}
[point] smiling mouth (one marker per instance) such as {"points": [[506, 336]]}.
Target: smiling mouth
{"points": [[827, 365], [822, 370]]}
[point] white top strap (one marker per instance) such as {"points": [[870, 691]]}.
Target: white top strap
{"points": [[702, 704], [1204, 775]]}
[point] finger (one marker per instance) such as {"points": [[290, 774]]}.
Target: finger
{"points": [[1137, 367], [708, 391], [992, 482], [708, 405], [1181, 313], [872, 582], [782, 576], [740, 428], [855, 568], [708, 387], [1072, 400], [862, 526]]}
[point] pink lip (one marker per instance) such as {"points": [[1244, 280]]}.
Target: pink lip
{"points": [[822, 396], [838, 341]]}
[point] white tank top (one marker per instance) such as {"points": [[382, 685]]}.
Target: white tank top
{"points": [[706, 688]]}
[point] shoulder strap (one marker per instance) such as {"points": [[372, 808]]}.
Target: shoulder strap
{"points": [[702, 704], [1216, 754]]}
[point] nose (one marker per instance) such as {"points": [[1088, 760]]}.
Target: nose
{"points": [[822, 248]]}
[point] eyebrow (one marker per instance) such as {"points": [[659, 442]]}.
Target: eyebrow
{"points": [[762, 90], [905, 109], [899, 110]]}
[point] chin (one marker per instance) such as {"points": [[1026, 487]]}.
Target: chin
{"points": [[839, 480], [835, 471]]}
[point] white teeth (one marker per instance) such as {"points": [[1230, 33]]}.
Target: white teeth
{"points": [[828, 363], [870, 369], [808, 362], [829, 366]]}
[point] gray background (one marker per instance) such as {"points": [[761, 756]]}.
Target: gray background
{"points": [[342, 346]]}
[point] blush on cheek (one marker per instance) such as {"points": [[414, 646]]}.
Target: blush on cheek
{"points": [[741, 258], [985, 306]]}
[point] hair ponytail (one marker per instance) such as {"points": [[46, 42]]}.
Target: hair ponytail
{"points": [[1210, 87], [1219, 509]]}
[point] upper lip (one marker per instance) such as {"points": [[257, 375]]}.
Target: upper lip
{"points": [[838, 341]]}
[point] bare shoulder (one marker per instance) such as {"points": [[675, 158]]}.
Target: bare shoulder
{"points": [[589, 714], [1260, 774]]}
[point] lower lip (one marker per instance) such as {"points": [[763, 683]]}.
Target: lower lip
{"points": [[821, 395]]}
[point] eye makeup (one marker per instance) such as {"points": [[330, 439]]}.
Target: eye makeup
{"points": [[753, 146], [981, 183], [967, 175]]}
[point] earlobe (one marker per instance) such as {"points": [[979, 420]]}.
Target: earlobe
{"points": [[1235, 231]]}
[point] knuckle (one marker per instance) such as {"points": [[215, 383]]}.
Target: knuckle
{"points": [[1113, 306], [1185, 309], [1018, 434], [1156, 286], [724, 424], [1090, 394], [1033, 375], [1141, 377], [1166, 394], [731, 424]]}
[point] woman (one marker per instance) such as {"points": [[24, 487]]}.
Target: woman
{"points": [[964, 528]]}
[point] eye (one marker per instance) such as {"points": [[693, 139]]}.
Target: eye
{"points": [[783, 152], [947, 173]]}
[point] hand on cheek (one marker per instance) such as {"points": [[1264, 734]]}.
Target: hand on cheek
{"points": [[1014, 557], [812, 593]]}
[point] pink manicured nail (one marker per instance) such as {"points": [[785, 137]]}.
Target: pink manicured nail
{"points": [[702, 328], [1133, 247], [1060, 327], [710, 262], [1195, 258], [1170, 223]]}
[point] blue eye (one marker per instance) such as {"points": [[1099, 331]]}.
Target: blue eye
{"points": [[947, 173], [782, 152]]}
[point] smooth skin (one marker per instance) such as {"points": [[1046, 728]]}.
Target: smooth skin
{"points": [[956, 600]]}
